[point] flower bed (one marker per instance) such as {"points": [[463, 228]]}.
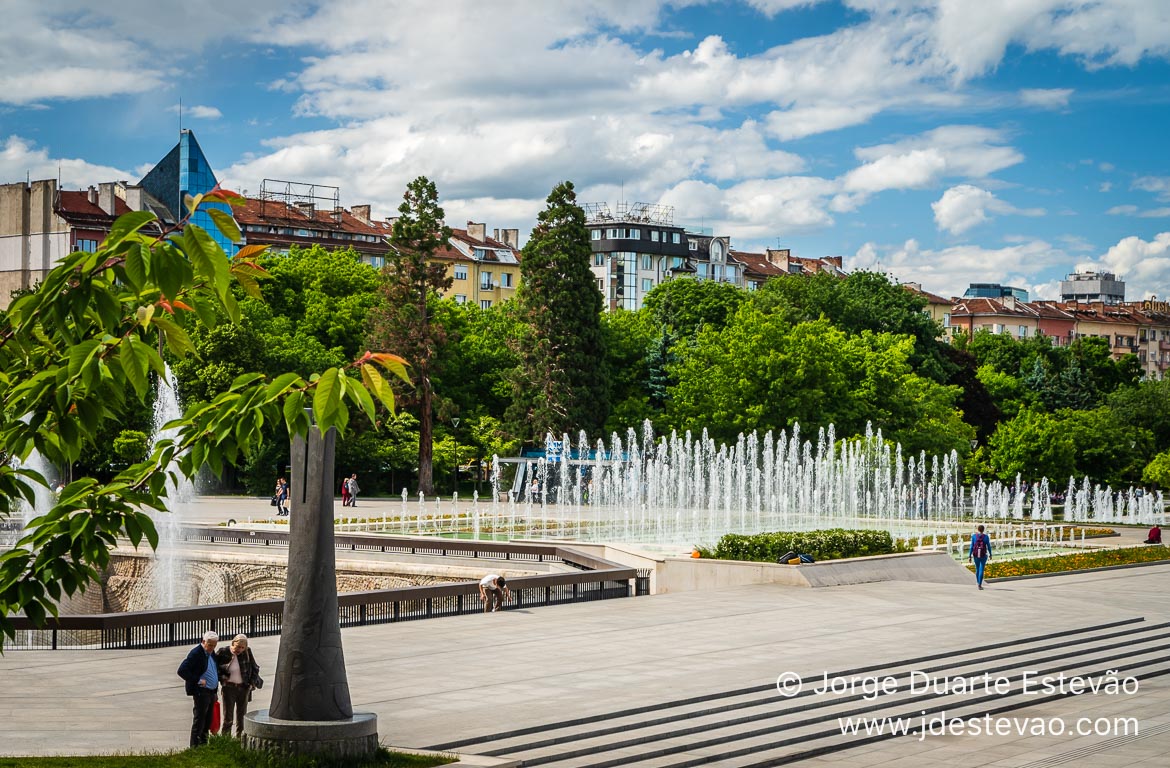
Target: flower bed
{"points": [[831, 544], [1075, 562]]}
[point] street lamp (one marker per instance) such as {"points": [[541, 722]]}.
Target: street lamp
{"points": [[455, 426]]}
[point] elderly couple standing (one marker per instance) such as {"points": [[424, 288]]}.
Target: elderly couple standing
{"points": [[206, 671]]}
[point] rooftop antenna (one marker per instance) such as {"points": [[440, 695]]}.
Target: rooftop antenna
{"points": [[180, 114]]}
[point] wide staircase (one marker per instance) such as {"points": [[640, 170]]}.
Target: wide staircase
{"points": [[756, 726]]}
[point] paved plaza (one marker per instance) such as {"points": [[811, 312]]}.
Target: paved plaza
{"points": [[682, 679]]}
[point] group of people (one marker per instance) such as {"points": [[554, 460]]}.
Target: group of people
{"points": [[208, 672], [349, 491]]}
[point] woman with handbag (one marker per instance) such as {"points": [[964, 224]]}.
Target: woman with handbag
{"points": [[238, 674]]}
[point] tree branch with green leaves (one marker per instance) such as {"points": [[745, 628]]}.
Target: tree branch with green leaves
{"points": [[82, 347]]}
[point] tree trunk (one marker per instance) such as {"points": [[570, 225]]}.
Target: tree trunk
{"points": [[425, 436]]}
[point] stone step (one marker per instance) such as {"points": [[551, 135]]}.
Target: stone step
{"points": [[714, 740], [699, 730]]}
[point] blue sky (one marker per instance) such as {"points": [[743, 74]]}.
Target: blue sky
{"points": [[941, 141]]}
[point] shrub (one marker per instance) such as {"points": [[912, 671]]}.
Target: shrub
{"points": [[832, 544]]}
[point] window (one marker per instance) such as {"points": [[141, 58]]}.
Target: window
{"points": [[647, 285], [89, 246], [693, 245], [702, 270], [460, 271], [460, 298], [596, 234], [485, 303], [633, 234], [378, 261], [647, 261], [946, 319], [601, 285], [599, 259], [479, 253], [752, 285], [613, 234], [505, 279], [675, 238], [485, 280], [654, 235], [1023, 331]]}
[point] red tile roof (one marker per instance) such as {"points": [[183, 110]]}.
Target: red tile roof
{"points": [[276, 213], [756, 264], [76, 204]]}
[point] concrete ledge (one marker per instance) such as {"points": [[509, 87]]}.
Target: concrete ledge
{"points": [[1121, 567], [678, 574], [474, 761]]}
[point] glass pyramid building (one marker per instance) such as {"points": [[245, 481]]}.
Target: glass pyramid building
{"points": [[185, 171]]}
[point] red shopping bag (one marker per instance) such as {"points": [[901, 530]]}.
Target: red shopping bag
{"points": [[215, 717]]}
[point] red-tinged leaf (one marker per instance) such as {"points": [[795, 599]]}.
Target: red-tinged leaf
{"points": [[181, 305], [392, 363]]}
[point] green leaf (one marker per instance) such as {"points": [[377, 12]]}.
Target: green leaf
{"points": [[135, 364], [177, 339], [378, 386], [225, 224], [136, 266], [361, 397], [327, 399], [127, 224], [80, 355]]}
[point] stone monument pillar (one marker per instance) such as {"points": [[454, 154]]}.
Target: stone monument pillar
{"points": [[310, 710]]}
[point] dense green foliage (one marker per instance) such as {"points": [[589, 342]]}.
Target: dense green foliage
{"points": [[81, 352], [830, 544], [561, 384]]}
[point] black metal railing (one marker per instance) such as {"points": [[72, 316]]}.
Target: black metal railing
{"points": [[592, 578]]}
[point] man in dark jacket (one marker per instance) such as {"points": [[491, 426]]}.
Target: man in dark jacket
{"points": [[201, 674]]}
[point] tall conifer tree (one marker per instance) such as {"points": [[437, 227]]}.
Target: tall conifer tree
{"points": [[405, 322], [560, 385]]}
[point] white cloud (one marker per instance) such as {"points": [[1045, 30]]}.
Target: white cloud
{"points": [[966, 206], [20, 158], [197, 111], [949, 271], [973, 37], [1133, 210], [1143, 264], [1159, 185], [1106, 186], [1046, 98], [921, 161]]}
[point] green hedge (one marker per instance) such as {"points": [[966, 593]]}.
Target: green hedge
{"points": [[832, 544]]}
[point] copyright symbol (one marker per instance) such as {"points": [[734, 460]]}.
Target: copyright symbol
{"points": [[789, 684]]}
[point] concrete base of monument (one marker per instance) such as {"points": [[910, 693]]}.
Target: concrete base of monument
{"points": [[355, 737]]}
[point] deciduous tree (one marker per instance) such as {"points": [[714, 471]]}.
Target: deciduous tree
{"points": [[404, 321]]}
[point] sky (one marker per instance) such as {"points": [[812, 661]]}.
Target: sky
{"points": [[942, 142]]}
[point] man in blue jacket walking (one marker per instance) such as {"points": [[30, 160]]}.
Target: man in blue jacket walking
{"points": [[201, 674]]}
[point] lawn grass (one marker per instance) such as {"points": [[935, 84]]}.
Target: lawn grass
{"points": [[1075, 562], [223, 752]]}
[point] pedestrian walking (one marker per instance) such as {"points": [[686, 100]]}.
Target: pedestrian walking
{"points": [[345, 491], [281, 497], [354, 488], [200, 673], [979, 552], [239, 675]]}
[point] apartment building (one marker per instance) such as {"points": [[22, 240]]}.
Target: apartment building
{"points": [[282, 221], [40, 223], [483, 270]]}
